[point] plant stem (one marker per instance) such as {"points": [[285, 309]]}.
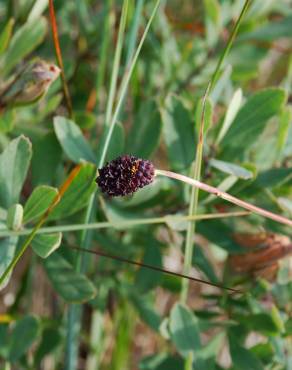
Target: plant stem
{"points": [[27, 242], [154, 268], [124, 85], [122, 224], [189, 246], [42, 220], [75, 311], [223, 195], [117, 60], [72, 341], [59, 57]]}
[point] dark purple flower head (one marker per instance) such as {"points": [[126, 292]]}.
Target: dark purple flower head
{"points": [[125, 175]]}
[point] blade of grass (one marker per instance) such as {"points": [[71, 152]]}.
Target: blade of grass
{"points": [[123, 224], [75, 311], [116, 64], [59, 57], [75, 316], [125, 83], [196, 173]]}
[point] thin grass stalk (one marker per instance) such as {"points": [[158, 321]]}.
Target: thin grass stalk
{"points": [[74, 318], [117, 62], [59, 57], [122, 224], [75, 311], [124, 85], [189, 246]]}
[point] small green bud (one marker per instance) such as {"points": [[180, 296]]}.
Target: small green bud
{"points": [[15, 217]]}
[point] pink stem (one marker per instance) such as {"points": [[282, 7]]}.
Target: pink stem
{"points": [[226, 196]]}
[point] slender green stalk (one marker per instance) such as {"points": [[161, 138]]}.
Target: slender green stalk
{"points": [[189, 246], [121, 224], [28, 240], [116, 64], [124, 85], [73, 319]]}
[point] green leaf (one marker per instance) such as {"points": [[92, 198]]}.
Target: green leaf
{"points": [[7, 120], [51, 338], [270, 31], [25, 40], [208, 114], [45, 244], [14, 163], [7, 250], [71, 285], [45, 151], [147, 279], [242, 358], [250, 121], [184, 330], [231, 169], [147, 311], [38, 202], [144, 136], [72, 140], [273, 177], [231, 113], [178, 133], [161, 361], [6, 35], [77, 195], [22, 337]]}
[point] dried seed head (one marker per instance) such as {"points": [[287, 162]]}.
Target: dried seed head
{"points": [[125, 175]]}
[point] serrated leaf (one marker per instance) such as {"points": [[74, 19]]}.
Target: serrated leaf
{"points": [[46, 244], [77, 194], [71, 285], [231, 169], [178, 133], [25, 40], [184, 330], [14, 163], [144, 135], [22, 337], [38, 202], [72, 140]]}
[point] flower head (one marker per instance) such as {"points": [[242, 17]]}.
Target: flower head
{"points": [[125, 175]]}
